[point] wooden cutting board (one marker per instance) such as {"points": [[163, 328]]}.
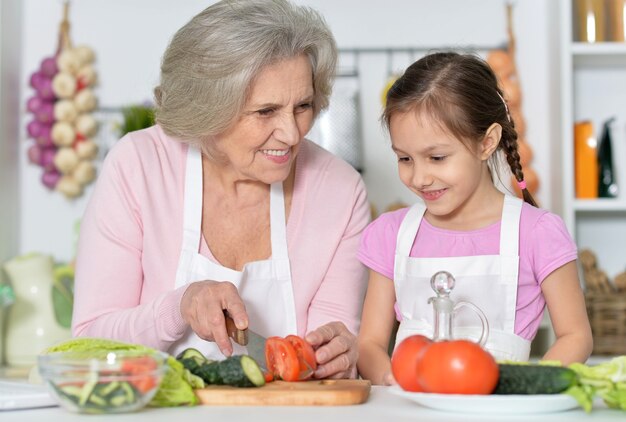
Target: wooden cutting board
{"points": [[282, 393]]}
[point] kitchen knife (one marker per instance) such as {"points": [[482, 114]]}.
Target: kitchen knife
{"points": [[254, 342], [239, 336]]}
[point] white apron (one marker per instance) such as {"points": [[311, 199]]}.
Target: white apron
{"points": [[488, 281], [264, 286]]}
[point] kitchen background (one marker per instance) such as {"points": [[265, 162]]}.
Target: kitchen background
{"points": [[377, 39], [129, 38]]}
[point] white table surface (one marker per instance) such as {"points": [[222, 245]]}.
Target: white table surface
{"points": [[381, 406]]}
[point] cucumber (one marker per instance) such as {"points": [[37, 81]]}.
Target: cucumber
{"points": [[534, 379], [86, 391], [191, 353], [237, 371], [192, 364], [94, 397], [123, 394], [105, 390], [241, 371], [209, 372]]}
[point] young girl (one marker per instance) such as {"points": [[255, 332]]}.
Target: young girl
{"points": [[447, 119]]}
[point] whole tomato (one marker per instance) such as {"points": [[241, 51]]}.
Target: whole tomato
{"points": [[457, 367], [404, 361]]}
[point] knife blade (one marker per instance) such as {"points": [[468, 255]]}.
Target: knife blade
{"points": [[256, 348], [254, 342]]}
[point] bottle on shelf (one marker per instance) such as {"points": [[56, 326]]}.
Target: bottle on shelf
{"points": [[607, 186], [617, 12], [591, 20], [585, 160]]}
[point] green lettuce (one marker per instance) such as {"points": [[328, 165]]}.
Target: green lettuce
{"points": [[176, 388], [606, 380]]}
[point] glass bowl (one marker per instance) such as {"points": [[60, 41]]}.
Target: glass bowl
{"points": [[107, 382]]}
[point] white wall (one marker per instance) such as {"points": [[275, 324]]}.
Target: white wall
{"points": [[129, 37]]}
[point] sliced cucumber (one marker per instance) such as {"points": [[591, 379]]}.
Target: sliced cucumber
{"points": [[252, 371], [100, 397], [191, 353], [86, 391], [193, 363], [129, 392], [104, 390], [71, 391], [238, 371], [241, 371], [97, 400]]}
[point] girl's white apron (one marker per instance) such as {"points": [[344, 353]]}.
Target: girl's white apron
{"points": [[488, 281]]}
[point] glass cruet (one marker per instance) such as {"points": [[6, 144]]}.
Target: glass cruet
{"points": [[444, 308]]}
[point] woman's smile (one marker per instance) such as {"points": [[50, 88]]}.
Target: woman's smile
{"points": [[278, 156]]}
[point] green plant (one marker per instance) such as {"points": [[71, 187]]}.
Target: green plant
{"points": [[136, 117]]}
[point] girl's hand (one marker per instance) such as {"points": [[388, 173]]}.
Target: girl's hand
{"points": [[388, 379], [202, 307], [336, 351]]}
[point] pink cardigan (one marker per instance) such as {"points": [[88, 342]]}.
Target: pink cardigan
{"points": [[131, 236]]}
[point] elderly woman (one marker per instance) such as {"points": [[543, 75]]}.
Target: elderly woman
{"points": [[223, 205]]}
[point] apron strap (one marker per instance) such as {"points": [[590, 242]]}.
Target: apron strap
{"points": [[278, 223], [192, 210], [278, 229], [408, 229], [509, 227], [509, 256]]}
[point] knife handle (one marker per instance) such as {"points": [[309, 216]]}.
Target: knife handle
{"points": [[239, 336]]}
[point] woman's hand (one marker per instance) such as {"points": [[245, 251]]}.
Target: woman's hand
{"points": [[202, 307], [336, 351]]}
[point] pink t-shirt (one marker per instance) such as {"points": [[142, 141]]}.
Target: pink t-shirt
{"points": [[545, 245], [131, 237]]}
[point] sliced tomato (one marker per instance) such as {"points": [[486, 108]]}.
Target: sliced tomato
{"points": [[269, 377], [139, 369], [144, 383], [306, 356], [281, 359]]}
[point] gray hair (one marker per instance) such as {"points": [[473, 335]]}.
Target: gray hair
{"points": [[210, 63]]}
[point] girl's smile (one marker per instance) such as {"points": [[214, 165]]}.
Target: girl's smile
{"points": [[433, 195]]}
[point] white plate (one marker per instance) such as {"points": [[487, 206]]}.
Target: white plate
{"points": [[494, 403]]}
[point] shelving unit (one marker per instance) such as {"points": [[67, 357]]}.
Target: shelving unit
{"points": [[593, 83]]}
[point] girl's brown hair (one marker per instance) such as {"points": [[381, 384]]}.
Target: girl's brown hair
{"points": [[460, 91]]}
